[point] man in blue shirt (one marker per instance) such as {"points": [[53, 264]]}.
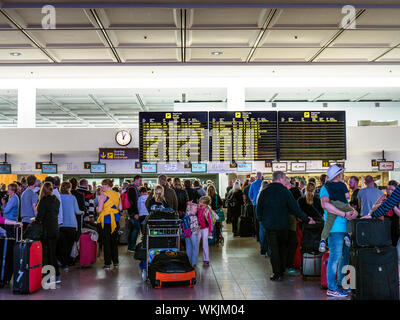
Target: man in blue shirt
{"points": [[253, 194], [29, 200], [339, 252]]}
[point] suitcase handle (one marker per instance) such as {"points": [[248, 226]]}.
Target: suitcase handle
{"points": [[19, 235]]}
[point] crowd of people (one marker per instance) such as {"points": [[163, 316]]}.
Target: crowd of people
{"points": [[279, 207]]}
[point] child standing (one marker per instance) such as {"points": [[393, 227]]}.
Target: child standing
{"points": [[191, 232], [205, 222], [143, 213]]}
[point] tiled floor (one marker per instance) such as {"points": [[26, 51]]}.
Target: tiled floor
{"points": [[236, 271]]}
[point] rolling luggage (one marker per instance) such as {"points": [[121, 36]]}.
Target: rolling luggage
{"points": [[88, 250], [28, 259], [377, 275], [123, 230], [246, 226], [311, 237], [311, 265], [171, 269], [371, 233], [297, 261], [6, 260], [324, 268]]}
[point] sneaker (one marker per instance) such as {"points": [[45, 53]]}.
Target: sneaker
{"points": [[322, 246], [58, 279], [347, 241], [131, 251], [116, 266], [276, 277], [346, 291], [292, 272], [66, 268], [107, 268], [206, 263], [336, 294]]}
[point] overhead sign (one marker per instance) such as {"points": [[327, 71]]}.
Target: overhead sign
{"points": [[298, 167], [374, 163], [5, 168], [149, 168], [244, 167], [325, 164], [86, 165], [279, 166], [98, 168], [199, 167], [268, 163], [49, 168], [386, 166], [118, 153]]}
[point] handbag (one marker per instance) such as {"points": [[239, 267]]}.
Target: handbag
{"points": [[34, 231]]}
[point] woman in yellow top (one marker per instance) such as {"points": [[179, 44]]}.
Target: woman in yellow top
{"points": [[108, 208]]}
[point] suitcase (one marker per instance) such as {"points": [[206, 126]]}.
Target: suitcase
{"points": [[123, 230], [211, 241], [371, 233], [311, 265], [377, 275], [297, 261], [28, 259], [246, 226], [324, 268], [311, 237], [6, 260], [88, 250], [171, 269]]}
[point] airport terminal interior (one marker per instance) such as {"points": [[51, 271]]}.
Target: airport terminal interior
{"points": [[100, 100]]}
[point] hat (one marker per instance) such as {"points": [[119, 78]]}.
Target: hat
{"points": [[334, 171]]}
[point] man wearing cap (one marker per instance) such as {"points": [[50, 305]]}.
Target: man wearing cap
{"points": [[335, 189]]}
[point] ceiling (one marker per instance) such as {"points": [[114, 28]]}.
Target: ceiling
{"points": [[201, 35], [120, 107]]}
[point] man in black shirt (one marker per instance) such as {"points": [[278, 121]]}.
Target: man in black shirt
{"points": [[353, 184], [274, 206], [134, 223]]}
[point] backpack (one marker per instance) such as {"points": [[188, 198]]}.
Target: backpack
{"points": [[187, 232], [125, 200]]}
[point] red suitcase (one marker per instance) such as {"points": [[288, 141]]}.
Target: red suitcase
{"points": [[324, 267], [87, 251], [28, 257], [298, 257]]}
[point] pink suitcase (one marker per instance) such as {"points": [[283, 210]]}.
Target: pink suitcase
{"points": [[88, 250], [324, 267]]}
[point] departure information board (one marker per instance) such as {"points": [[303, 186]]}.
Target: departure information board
{"points": [[312, 135], [242, 136], [173, 136]]}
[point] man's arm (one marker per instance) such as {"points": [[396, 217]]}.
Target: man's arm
{"points": [[295, 209], [132, 197]]}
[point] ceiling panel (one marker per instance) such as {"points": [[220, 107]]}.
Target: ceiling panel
{"points": [[310, 17], [379, 17], [349, 54], [245, 17], [65, 38], [83, 55], [150, 55], [295, 38], [123, 17], [27, 56], [228, 54], [65, 17], [368, 38], [392, 56], [215, 38], [144, 38], [284, 54], [13, 39]]}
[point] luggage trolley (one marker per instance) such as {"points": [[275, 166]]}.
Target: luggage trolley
{"points": [[162, 235]]}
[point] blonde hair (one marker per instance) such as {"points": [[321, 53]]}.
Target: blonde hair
{"points": [[206, 200], [211, 191], [236, 185], [66, 188], [159, 196], [310, 190]]}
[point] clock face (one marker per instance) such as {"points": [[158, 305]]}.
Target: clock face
{"points": [[123, 137]]}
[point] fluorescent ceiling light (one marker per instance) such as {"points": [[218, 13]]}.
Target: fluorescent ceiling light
{"points": [[216, 53], [15, 54]]}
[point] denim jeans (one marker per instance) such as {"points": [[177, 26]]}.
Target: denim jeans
{"points": [[192, 248], [339, 255], [263, 239], [134, 229]]}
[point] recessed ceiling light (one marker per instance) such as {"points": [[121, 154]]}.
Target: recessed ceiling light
{"points": [[15, 54], [216, 53]]}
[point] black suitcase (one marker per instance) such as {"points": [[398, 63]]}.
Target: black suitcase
{"points": [[371, 233], [246, 226], [6, 260], [311, 237], [171, 269], [377, 275]]}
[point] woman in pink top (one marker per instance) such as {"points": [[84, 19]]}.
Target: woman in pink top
{"points": [[205, 222], [7, 222]]}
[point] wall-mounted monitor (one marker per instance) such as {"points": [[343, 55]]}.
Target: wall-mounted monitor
{"points": [[149, 168], [298, 167], [279, 166], [244, 167], [386, 166], [49, 168], [98, 168], [199, 167], [5, 168]]}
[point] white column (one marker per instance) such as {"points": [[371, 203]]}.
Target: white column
{"points": [[236, 98], [26, 107]]}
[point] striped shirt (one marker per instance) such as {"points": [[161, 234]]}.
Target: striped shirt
{"points": [[389, 204]]}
